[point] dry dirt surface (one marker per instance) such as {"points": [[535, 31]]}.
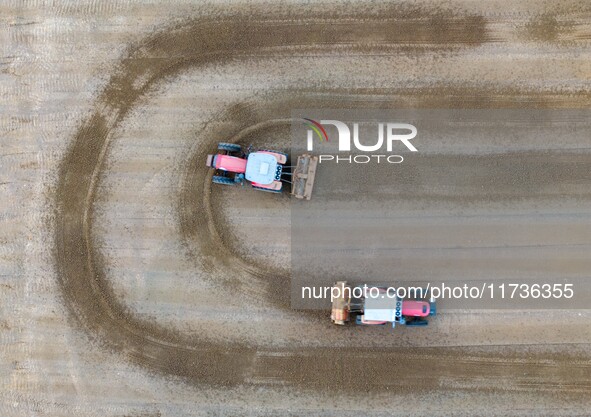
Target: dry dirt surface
{"points": [[129, 286]]}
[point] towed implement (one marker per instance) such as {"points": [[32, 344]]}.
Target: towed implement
{"points": [[303, 176], [354, 304], [265, 170]]}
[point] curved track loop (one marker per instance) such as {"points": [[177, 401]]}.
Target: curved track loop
{"points": [[80, 266], [198, 224]]}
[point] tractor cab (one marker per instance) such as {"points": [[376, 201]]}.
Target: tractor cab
{"points": [[262, 168]]}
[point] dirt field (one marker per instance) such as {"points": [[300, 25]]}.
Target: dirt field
{"points": [[131, 287]]}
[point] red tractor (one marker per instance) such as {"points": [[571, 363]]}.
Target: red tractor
{"points": [[380, 308], [266, 170]]}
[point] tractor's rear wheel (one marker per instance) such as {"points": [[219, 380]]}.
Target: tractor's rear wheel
{"points": [[268, 190], [277, 152], [218, 179], [229, 147]]}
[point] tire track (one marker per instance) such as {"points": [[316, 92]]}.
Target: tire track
{"points": [[80, 266]]}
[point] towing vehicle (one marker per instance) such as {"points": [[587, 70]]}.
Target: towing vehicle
{"points": [[265, 170], [357, 305]]}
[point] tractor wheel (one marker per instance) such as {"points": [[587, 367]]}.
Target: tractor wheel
{"points": [[417, 323], [433, 309], [280, 153], [229, 147], [217, 179], [267, 190]]}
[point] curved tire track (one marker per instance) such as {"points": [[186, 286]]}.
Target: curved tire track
{"points": [[85, 286]]}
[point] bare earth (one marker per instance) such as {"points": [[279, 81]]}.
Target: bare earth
{"points": [[131, 287]]}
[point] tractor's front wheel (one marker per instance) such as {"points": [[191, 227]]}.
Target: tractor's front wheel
{"points": [[229, 147], [218, 179]]}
